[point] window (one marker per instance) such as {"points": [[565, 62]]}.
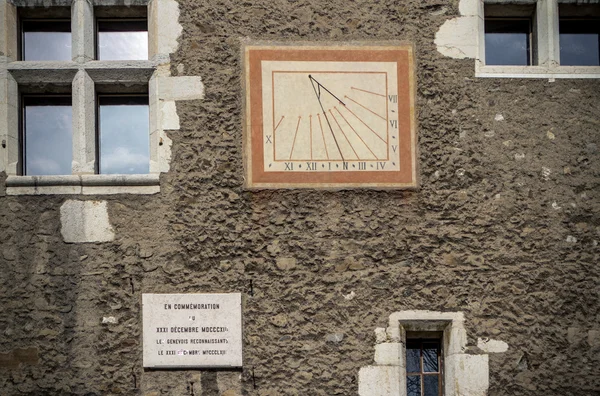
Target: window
{"points": [[509, 34], [579, 29], [44, 40], [423, 353], [535, 38], [83, 152], [47, 138], [121, 33], [45, 34], [508, 41], [72, 128], [424, 364], [124, 144]]}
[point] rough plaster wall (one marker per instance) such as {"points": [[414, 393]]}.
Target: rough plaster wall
{"points": [[504, 228]]}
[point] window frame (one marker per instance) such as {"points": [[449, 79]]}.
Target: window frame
{"points": [[464, 373], [81, 73], [423, 337], [546, 36]]}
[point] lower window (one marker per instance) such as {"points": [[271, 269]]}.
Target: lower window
{"points": [[47, 137], [424, 364], [123, 134]]}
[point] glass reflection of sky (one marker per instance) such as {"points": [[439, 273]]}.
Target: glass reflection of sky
{"points": [[506, 49], [122, 45], [579, 49], [124, 139], [42, 46], [48, 140]]}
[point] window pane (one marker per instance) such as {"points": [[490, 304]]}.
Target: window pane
{"points": [[48, 40], [431, 385], [413, 385], [580, 42], [413, 357], [48, 136], [507, 42], [122, 40], [430, 358], [124, 135]]}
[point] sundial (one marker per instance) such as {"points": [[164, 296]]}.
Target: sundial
{"points": [[329, 116]]}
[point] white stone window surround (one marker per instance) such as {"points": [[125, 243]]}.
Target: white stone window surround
{"points": [[464, 37], [83, 73], [464, 374]]}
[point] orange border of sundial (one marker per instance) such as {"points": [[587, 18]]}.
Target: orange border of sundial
{"points": [[257, 178]]}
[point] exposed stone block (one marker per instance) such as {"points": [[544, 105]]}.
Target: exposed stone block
{"points": [[85, 221]]}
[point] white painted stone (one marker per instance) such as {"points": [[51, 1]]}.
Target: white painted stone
{"points": [[394, 333], [455, 339], [466, 375], [114, 190], [9, 124], [85, 221], [180, 88], [164, 28], [380, 335], [8, 31], [381, 381], [470, 7], [499, 117], [45, 190], [168, 111], [457, 38], [177, 326], [109, 320], [396, 317], [350, 296], [83, 184], [390, 354], [492, 346]]}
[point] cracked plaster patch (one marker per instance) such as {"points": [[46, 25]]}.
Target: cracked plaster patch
{"points": [[457, 37]]}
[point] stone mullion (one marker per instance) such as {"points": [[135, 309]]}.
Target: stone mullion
{"points": [[82, 30], [84, 124], [547, 32]]}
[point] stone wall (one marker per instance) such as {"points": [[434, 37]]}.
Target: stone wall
{"points": [[504, 228]]}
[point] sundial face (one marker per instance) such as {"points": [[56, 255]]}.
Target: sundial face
{"points": [[329, 117]]}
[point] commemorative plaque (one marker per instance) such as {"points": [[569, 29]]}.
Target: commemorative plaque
{"points": [[192, 330]]}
